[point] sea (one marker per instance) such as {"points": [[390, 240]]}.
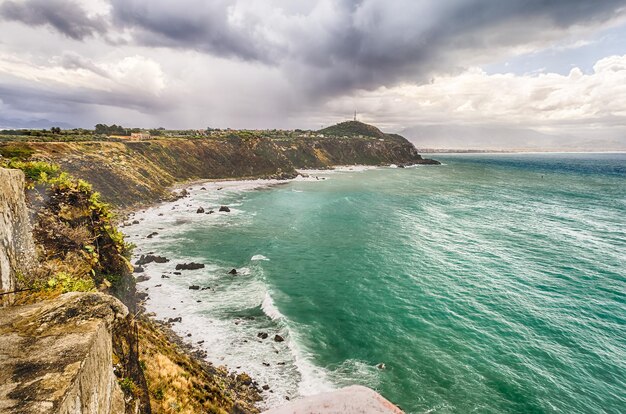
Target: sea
{"points": [[493, 283]]}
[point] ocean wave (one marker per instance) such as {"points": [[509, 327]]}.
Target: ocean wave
{"points": [[270, 308], [257, 257]]}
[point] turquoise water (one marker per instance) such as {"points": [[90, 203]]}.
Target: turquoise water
{"points": [[490, 284]]}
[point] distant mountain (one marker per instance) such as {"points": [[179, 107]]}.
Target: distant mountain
{"points": [[503, 138], [12, 123]]}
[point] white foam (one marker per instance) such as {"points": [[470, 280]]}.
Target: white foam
{"points": [[270, 309], [258, 257]]}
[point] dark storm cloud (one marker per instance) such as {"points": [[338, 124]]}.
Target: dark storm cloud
{"points": [[356, 44], [189, 24], [65, 16]]}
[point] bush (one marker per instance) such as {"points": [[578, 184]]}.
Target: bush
{"points": [[36, 172], [65, 282], [16, 151]]}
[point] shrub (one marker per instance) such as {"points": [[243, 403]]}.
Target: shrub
{"points": [[16, 151], [64, 282]]}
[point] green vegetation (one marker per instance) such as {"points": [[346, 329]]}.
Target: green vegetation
{"points": [[65, 282], [81, 246], [111, 130], [353, 128], [16, 151]]}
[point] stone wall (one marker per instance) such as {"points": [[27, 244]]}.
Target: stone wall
{"points": [[17, 250], [56, 356]]}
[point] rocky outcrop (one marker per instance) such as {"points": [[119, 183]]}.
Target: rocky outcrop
{"points": [[17, 250], [55, 356], [354, 399]]}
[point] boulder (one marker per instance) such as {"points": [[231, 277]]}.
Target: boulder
{"points": [[151, 235], [262, 335], [142, 278], [200, 210], [233, 272], [138, 269], [278, 338], [177, 319], [225, 209], [194, 287]]}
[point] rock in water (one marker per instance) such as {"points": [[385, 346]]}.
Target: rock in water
{"points": [[200, 210], [194, 287], [278, 338], [262, 335], [225, 209], [233, 272], [189, 266], [149, 258]]}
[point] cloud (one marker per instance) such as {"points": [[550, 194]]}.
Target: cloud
{"points": [[576, 104], [65, 16], [331, 47], [211, 27], [279, 63], [67, 83]]}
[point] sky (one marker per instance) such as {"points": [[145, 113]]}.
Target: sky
{"points": [[524, 72]]}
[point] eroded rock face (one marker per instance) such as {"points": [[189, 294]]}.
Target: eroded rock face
{"points": [[17, 249], [55, 356]]}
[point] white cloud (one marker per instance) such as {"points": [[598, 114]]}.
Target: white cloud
{"points": [[475, 97], [128, 75]]}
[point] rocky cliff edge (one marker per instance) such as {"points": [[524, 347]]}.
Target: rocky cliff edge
{"points": [[55, 356]]}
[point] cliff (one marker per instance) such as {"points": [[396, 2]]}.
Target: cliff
{"points": [[17, 249], [55, 356], [129, 173]]}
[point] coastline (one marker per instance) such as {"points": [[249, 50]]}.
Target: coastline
{"points": [[160, 308], [196, 342]]}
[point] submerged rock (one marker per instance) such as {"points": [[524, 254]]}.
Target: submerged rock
{"points": [[138, 269], [151, 235]]}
